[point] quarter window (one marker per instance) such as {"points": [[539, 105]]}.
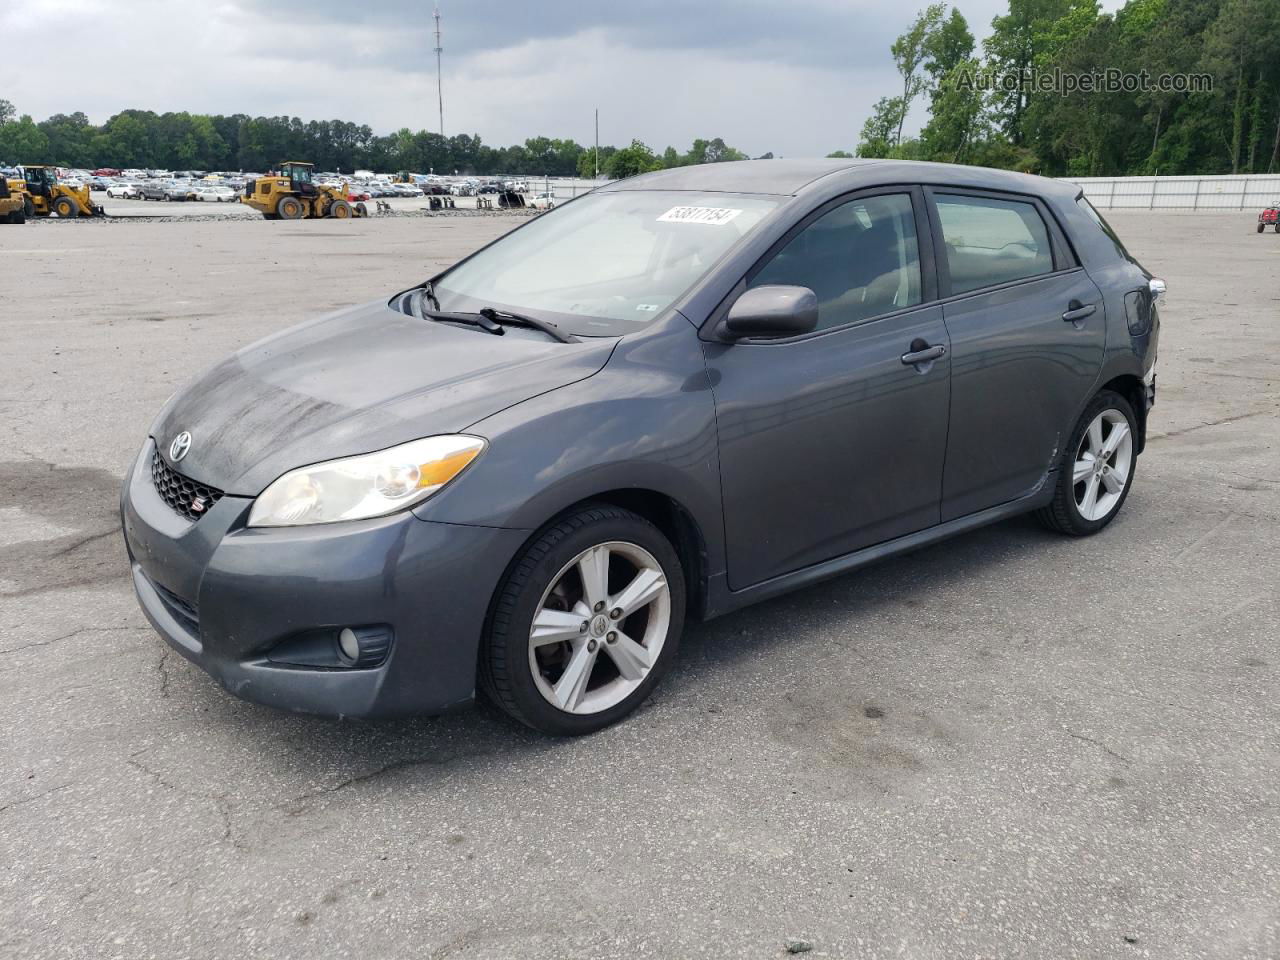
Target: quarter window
{"points": [[992, 241], [862, 259]]}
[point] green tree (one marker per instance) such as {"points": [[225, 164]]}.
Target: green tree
{"points": [[880, 131], [1016, 45], [21, 141], [632, 160], [910, 51]]}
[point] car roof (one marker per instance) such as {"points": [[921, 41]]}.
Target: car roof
{"points": [[791, 177]]}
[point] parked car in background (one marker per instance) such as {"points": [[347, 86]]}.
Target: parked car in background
{"points": [[99, 183], [356, 194], [125, 191], [216, 193], [543, 201], [153, 190], [179, 190], [107, 172]]}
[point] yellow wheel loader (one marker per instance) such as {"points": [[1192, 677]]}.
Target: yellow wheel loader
{"points": [[291, 193], [43, 195], [12, 208]]}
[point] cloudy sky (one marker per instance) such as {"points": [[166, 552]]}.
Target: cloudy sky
{"points": [[796, 77]]}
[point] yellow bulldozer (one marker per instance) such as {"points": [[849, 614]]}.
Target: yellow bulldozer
{"points": [[12, 208], [43, 195], [291, 193]]}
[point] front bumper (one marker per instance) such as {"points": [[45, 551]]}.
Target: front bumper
{"points": [[225, 596]]}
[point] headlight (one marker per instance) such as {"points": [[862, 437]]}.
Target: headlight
{"points": [[370, 485]]}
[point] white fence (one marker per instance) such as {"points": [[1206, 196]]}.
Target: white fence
{"points": [[1241, 192]]}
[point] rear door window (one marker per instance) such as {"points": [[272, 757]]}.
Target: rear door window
{"points": [[989, 241]]}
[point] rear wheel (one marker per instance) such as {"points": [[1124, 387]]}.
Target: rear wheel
{"points": [[1263, 226], [586, 622], [1096, 472], [289, 208], [65, 208], [340, 210], [28, 207], [1278, 228]]}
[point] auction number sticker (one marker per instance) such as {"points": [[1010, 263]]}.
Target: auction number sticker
{"points": [[712, 215]]}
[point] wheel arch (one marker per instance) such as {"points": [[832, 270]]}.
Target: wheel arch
{"points": [[1131, 388], [676, 522]]}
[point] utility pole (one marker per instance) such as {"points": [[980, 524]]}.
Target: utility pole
{"points": [[597, 143], [439, 85]]}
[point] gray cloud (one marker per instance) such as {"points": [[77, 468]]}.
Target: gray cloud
{"points": [[796, 78]]}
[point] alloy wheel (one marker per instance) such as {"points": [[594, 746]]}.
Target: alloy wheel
{"points": [[599, 627], [1102, 465]]}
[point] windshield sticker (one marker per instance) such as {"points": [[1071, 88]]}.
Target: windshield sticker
{"points": [[712, 215]]}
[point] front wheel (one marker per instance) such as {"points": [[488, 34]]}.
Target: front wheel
{"points": [[586, 622], [65, 208], [1097, 468], [1263, 226], [289, 208]]}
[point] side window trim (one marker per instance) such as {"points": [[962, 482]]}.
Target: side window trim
{"points": [[1064, 259], [929, 289]]}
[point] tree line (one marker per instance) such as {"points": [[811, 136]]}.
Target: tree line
{"points": [[1232, 46], [146, 140]]}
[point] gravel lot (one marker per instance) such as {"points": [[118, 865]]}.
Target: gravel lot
{"points": [[1008, 745]]}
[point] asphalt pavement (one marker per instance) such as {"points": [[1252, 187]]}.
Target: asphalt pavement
{"points": [[1011, 744]]}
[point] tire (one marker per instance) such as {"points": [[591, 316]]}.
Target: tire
{"points": [[545, 580], [1072, 511], [65, 208], [28, 207], [289, 208], [1278, 228], [1261, 227], [340, 210], [361, 210]]}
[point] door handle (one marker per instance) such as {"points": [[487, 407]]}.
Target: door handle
{"points": [[1078, 311], [923, 353]]}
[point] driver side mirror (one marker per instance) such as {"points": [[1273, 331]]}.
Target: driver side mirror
{"points": [[772, 311]]}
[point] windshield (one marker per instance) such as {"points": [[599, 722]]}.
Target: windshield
{"points": [[606, 263]]}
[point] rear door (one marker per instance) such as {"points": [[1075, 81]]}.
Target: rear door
{"points": [[1028, 331], [834, 440]]}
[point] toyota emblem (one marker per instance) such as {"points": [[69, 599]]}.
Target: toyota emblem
{"points": [[181, 444]]}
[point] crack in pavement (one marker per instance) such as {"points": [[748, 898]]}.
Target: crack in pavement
{"points": [[33, 798], [68, 636], [1151, 438], [76, 545], [294, 805], [1102, 746], [222, 804]]}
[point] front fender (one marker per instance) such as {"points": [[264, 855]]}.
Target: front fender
{"points": [[646, 421]]}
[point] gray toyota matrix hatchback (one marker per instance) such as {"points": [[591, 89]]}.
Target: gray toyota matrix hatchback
{"points": [[675, 396]]}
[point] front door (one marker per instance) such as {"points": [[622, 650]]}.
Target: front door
{"points": [[834, 440], [1027, 330]]}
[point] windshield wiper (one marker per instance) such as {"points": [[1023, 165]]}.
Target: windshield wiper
{"points": [[550, 329], [471, 319]]}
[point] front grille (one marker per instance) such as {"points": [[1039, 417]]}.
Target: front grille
{"points": [[186, 497]]}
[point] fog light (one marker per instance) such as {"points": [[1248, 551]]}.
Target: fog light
{"points": [[364, 646], [349, 644]]}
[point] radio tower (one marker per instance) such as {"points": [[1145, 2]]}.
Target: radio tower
{"points": [[439, 86]]}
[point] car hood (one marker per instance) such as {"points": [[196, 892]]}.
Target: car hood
{"points": [[357, 381]]}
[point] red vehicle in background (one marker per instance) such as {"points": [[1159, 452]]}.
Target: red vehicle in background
{"points": [[1271, 216], [106, 172]]}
